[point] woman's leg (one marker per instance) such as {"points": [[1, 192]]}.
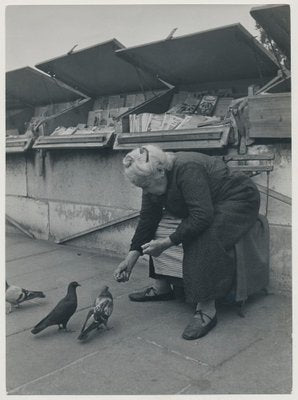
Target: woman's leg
{"points": [[161, 286], [203, 320], [207, 307]]}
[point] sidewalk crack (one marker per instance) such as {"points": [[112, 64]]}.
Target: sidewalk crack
{"points": [[174, 352]]}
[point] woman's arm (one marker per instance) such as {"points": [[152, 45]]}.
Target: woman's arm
{"points": [[156, 247], [193, 182], [150, 216], [124, 269]]}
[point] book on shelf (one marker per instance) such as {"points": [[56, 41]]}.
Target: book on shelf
{"points": [[207, 105], [196, 121], [155, 122], [187, 106], [62, 131], [171, 121]]}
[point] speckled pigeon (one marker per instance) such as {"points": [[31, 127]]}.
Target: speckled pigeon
{"points": [[15, 295], [99, 314]]}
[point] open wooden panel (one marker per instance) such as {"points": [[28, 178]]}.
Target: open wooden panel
{"points": [[269, 116], [18, 144], [186, 139], [96, 141]]}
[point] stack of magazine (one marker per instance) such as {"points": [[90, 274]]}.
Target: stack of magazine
{"points": [[147, 122], [189, 112]]}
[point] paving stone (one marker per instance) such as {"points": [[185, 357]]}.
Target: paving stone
{"points": [[26, 249], [231, 334], [265, 365], [144, 352], [52, 349], [127, 368]]}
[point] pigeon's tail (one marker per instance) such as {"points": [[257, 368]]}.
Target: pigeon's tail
{"points": [[85, 332], [34, 295], [43, 324]]}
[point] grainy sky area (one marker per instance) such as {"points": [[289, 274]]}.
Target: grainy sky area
{"points": [[36, 33]]}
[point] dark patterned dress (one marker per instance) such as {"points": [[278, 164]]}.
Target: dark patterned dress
{"points": [[216, 209]]}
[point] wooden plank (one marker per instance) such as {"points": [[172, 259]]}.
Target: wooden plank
{"points": [[251, 168], [181, 144], [18, 145], [71, 146], [200, 133], [71, 139], [247, 157], [269, 116], [168, 138], [15, 150], [84, 142]]}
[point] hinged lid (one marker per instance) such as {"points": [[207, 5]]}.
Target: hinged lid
{"points": [[222, 54], [97, 71], [27, 87]]}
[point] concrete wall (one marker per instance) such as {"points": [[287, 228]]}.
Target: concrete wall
{"points": [[78, 190], [81, 189]]}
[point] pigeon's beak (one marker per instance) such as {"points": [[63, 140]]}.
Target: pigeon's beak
{"points": [[79, 284]]}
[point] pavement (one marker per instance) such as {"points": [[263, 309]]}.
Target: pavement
{"points": [[143, 353]]}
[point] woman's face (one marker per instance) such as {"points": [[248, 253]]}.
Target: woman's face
{"points": [[155, 185]]}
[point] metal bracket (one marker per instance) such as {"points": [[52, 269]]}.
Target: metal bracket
{"points": [[40, 159]]}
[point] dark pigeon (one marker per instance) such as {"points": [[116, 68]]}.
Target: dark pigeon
{"points": [[61, 314], [16, 295], [99, 314]]}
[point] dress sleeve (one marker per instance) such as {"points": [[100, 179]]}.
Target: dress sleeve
{"points": [[150, 216], [193, 182]]}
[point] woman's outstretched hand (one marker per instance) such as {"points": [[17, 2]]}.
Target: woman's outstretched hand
{"points": [[156, 247], [123, 271]]}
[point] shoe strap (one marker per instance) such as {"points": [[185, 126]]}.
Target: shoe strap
{"points": [[201, 313], [149, 289]]}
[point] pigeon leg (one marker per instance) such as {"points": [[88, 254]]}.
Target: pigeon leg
{"points": [[9, 308], [105, 324], [66, 329]]}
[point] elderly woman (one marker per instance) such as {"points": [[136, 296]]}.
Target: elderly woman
{"points": [[193, 212]]}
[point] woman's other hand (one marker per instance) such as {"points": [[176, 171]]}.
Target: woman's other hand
{"points": [[156, 247]]}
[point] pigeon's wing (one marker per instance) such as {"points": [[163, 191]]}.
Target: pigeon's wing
{"points": [[90, 313], [63, 310], [30, 294], [103, 307], [14, 294]]}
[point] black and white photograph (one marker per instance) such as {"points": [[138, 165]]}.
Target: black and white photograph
{"points": [[148, 199]]}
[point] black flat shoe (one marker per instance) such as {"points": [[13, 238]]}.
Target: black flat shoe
{"points": [[150, 294], [195, 329]]}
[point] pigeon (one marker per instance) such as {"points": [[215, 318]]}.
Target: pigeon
{"points": [[14, 295], [61, 314], [99, 314]]}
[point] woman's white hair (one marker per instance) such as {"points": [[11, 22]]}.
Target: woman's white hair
{"points": [[144, 162]]}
